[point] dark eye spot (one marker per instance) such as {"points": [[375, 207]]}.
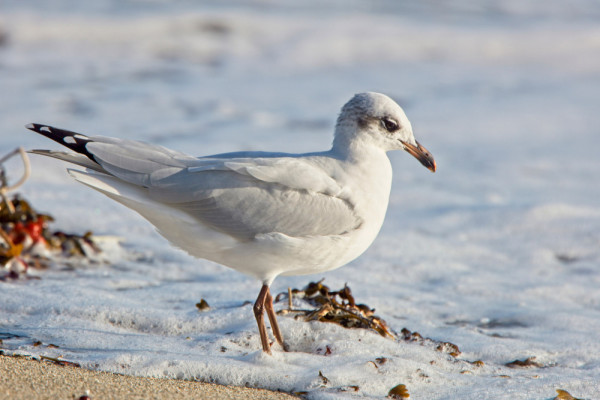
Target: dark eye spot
{"points": [[390, 124]]}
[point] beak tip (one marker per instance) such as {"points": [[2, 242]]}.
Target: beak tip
{"points": [[421, 154], [433, 167]]}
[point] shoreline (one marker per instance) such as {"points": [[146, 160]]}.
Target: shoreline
{"points": [[24, 378]]}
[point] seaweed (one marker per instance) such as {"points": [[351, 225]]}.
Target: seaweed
{"points": [[338, 307], [202, 305], [26, 240], [526, 363], [564, 395], [398, 392]]}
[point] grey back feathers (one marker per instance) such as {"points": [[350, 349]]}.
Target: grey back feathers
{"points": [[240, 197]]}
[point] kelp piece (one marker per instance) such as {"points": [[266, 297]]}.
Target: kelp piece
{"points": [[25, 238], [338, 307]]}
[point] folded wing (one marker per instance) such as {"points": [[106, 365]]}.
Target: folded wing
{"points": [[241, 197]]}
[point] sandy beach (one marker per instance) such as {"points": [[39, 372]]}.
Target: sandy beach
{"points": [[24, 378]]}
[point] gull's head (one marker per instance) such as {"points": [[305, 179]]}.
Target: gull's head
{"points": [[373, 119]]}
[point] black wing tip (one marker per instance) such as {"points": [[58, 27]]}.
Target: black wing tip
{"points": [[52, 132], [37, 127], [73, 140]]}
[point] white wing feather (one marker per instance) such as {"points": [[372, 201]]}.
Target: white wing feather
{"points": [[241, 197]]}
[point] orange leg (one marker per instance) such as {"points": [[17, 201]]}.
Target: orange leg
{"points": [[259, 310], [273, 319]]}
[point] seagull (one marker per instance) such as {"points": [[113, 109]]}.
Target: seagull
{"points": [[263, 214]]}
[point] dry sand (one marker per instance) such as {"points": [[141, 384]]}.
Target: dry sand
{"points": [[24, 378]]}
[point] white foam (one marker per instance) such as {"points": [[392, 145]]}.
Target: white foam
{"points": [[497, 253]]}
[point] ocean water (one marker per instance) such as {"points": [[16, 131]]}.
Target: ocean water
{"points": [[498, 252]]}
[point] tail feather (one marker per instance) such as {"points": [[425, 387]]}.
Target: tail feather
{"points": [[73, 158], [106, 184], [73, 140]]}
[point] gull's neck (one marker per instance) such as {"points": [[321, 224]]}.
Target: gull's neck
{"points": [[349, 143], [366, 174]]}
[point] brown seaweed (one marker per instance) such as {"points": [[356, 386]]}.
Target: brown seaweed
{"points": [[398, 392], [26, 240], [338, 307]]}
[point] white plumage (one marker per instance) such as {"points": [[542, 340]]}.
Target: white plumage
{"points": [[263, 214]]}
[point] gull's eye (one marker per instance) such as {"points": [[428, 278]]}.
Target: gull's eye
{"points": [[390, 124]]}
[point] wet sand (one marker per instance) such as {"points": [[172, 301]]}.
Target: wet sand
{"points": [[25, 378]]}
